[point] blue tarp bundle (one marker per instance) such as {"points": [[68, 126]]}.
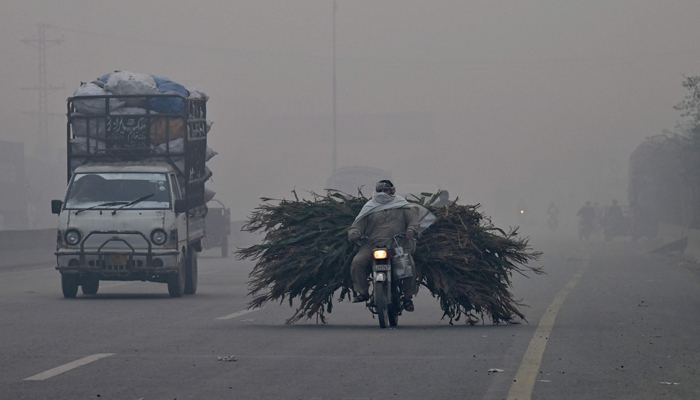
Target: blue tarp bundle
{"points": [[168, 105]]}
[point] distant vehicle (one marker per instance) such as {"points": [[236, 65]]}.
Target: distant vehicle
{"points": [[132, 212], [218, 223], [617, 223]]}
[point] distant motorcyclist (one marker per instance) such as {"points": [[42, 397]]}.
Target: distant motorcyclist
{"points": [[586, 222], [381, 218], [552, 214], [613, 221]]}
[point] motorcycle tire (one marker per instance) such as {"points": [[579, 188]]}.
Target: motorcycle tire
{"points": [[381, 300], [394, 309]]}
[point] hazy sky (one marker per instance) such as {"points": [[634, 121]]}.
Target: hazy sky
{"points": [[532, 100]]}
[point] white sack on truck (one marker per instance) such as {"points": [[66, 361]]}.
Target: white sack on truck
{"points": [[123, 83], [208, 194], [79, 145], [178, 146], [94, 106]]}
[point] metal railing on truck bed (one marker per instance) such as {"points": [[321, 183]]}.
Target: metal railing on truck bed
{"points": [[133, 134]]}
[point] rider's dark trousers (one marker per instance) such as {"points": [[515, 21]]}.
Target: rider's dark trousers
{"points": [[362, 266]]}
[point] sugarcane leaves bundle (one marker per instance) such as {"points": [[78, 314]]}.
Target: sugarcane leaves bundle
{"points": [[462, 259], [305, 252], [467, 263]]}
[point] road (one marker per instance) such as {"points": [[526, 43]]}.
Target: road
{"points": [[607, 321]]}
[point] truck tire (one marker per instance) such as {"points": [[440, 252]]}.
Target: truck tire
{"points": [[224, 247], [69, 285], [191, 271], [176, 282], [90, 285]]}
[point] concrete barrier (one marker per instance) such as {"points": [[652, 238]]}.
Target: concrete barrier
{"points": [[692, 250], [668, 233], [27, 247]]}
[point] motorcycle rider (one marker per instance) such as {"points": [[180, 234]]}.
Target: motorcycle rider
{"points": [[587, 215], [380, 219], [613, 220]]}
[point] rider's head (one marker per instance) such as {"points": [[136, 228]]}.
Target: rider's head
{"points": [[444, 195], [385, 186]]}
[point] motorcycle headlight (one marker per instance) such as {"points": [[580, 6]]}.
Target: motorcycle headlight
{"points": [[73, 237], [380, 254], [158, 237]]}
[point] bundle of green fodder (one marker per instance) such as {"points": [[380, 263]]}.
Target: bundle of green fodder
{"points": [[462, 259]]}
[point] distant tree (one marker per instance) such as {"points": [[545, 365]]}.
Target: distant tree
{"points": [[690, 106]]}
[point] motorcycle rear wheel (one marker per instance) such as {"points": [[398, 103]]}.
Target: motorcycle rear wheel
{"points": [[381, 299]]}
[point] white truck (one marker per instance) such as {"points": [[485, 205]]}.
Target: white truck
{"points": [[134, 208]]}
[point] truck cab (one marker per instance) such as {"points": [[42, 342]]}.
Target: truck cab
{"points": [[125, 221]]}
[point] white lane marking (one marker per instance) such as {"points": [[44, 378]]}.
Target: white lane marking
{"points": [[239, 313], [33, 271], [67, 367], [524, 381]]}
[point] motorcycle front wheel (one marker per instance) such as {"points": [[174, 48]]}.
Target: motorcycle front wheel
{"points": [[381, 299]]}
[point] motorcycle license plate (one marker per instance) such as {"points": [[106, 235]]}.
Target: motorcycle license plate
{"points": [[382, 267], [117, 260]]}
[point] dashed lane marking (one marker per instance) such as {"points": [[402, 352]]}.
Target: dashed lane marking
{"points": [[239, 313], [67, 367], [524, 381]]}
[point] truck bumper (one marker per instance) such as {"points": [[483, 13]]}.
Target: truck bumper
{"points": [[113, 264]]}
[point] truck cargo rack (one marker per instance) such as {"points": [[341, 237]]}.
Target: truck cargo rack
{"points": [[114, 136]]}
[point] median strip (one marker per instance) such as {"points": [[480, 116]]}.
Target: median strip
{"points": [[239, 313], [67, 367]]}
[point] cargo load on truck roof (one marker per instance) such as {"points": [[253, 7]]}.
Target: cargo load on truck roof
{"points": [[126, 116]]}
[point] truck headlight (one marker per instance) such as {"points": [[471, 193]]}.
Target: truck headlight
{"points": [[380, 254], [158, 237], [73, 237]]}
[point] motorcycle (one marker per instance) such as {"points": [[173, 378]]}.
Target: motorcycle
{"points": [[585, 229], [391, 267]]}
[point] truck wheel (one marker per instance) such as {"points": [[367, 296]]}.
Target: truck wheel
{"points": [[191, 272], [176, 282], [69, 285], [90, 285], [224, 247]]}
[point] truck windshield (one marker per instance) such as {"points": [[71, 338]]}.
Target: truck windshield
{"points": [[93, 190]]}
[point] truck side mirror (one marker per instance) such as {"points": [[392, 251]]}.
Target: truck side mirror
{"points": [[56, 206], [180, 206]]}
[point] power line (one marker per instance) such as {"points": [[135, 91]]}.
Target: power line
{"points": [[43, 89]]}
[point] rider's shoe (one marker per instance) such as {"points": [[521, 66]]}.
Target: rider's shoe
{"points": [[360, 298], [408, 305]]}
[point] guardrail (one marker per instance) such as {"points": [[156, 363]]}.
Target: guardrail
{"points": [[27, 247]]}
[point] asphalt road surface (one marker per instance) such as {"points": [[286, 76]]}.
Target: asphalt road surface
{"points": [[607, 321]]}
